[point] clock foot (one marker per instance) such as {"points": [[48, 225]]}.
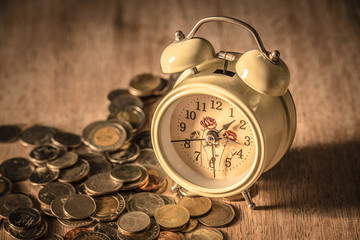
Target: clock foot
{"points": [[247, 196]]}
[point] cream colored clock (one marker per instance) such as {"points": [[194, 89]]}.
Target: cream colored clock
{"points": [[228, 119]]}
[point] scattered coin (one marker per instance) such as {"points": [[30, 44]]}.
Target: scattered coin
{"points": [[79, 206], [143, 139], [181, 236], [127, 126], [109, 229], [32, 233], [57, 207], [206, 234], [196, 206], [37, 135], [123, 101], [24, 218], [13, 201], [156, 179], [172, 216], [108, 207], [133, 222], [92, 236], [97, 162], [122, 156], [66, 139], [72, 223], [43, 175], [147, 156], [162, 187], [141, 181], [166, 235], [117, 92], [144, 85], [145, 202], [101, 184], [52, 236], [150, 234], [70, 235], [126, 173], [193, 222], [5, 185], [49, 192], [66, 160], [42, 154], [75, 173], [9, 133], [104, 136], [16, 169], [220, 215], [132, 114]]}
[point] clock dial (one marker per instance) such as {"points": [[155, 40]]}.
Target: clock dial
{"points": [[212, 136]]}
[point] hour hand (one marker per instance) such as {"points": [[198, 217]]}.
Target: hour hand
{"points": [[226, 126]]}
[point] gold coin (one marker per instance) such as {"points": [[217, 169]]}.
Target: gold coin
{"points": [[191, 225], [108, 207], [172, 216], [206, 234], [196, 206], [106, 136]]}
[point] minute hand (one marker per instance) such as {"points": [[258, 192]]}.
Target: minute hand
{"points": [[226, 126]]}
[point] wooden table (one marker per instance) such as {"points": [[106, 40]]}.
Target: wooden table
{"points": [[59, 59]]}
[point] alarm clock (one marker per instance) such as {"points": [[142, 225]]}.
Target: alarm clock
{"points": [[229, 117]]}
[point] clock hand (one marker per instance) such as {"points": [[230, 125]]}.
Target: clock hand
{"points": [[226, 126], [212, 160], [185, 140], [228, 140]]}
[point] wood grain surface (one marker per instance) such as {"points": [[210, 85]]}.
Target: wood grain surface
{"points": [[60, 58]]}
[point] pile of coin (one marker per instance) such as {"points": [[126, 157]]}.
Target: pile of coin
{"points": [[109, 176]]}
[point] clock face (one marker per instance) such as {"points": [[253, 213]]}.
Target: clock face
{"points": [[212, 137]]}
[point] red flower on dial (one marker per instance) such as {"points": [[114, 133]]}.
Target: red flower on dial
{"points": [[208, 123], [230, 135]]}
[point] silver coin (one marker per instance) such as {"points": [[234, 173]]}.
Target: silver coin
{"points": [[220, 215], [92, 235], [147, 156], [43, 175], [101, 184], [126, 173], [207, 234], [37, 135], [65, 160], [143, 139], [150, 234], [143, 85], [16, 169], [132, 114], [13, 201], [117, 92], [33, 233], [133, 222], [97, 162], [108, 228], [127, 126], [79, 206], [145, 202], [5, 185], [9, 133], [66, 139], [57, 207], [24, 218], [42, 154], [49, 192], [75, 173], [122, 156], [136, 184], [123, 101]]}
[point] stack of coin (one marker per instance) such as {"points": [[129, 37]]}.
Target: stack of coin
{"points": [[26, 223]]}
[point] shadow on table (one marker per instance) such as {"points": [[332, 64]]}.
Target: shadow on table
{"points": [[316, 180]]}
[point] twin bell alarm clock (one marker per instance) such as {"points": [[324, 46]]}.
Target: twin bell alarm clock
{"points": [[229, 118]]}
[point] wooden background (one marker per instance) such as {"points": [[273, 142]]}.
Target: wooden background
{"points": [[60, 58]]}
